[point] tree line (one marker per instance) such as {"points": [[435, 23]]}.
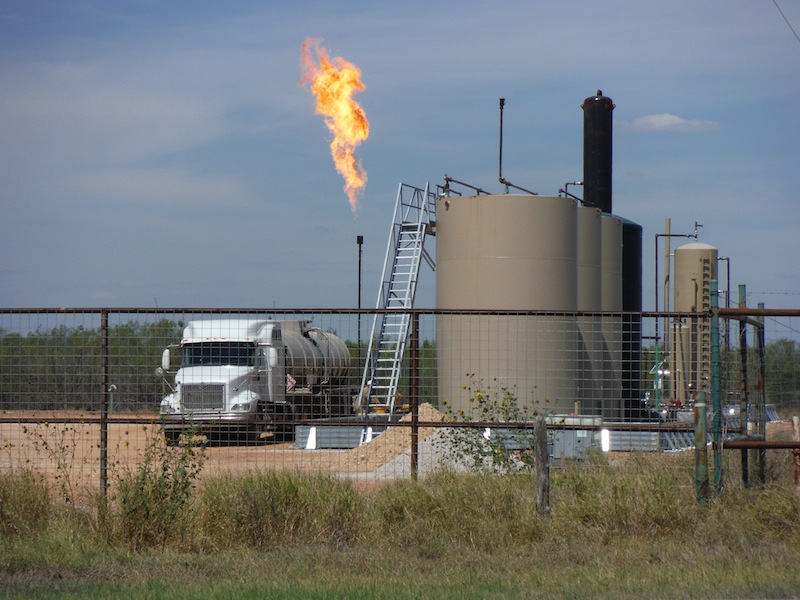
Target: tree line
{"points": [[61, 368]]}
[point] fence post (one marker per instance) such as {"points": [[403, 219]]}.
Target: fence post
{"points": [[104, 408], [796, 454], [762, 398], [414, 396], [542, 460], [743, 386], [700, 449]]}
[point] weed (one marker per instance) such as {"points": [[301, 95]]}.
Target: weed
{"points": [[498, 450], [60, 444], [152, 496]]}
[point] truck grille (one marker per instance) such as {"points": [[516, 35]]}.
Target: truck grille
{"points": [[203, 396]]}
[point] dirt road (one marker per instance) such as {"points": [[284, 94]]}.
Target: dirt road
{"points": [[68, 453]]}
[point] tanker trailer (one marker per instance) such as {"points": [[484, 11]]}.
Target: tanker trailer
{"points": [[238, 376]]}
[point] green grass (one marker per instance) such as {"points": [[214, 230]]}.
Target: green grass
{"points": [[627, 531]]}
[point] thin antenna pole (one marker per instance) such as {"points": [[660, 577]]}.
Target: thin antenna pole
{"points": [[500, 166]]}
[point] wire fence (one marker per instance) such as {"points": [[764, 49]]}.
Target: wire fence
{"points": [[85, 393]]}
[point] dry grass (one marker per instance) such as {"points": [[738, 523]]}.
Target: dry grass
{"points": [[625, 531]]}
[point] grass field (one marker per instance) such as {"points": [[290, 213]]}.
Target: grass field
{"points": [[617, 529]]}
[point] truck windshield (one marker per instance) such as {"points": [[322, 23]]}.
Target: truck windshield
{"points": [[218, 354]]}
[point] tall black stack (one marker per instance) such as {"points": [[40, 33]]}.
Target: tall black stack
{"points": [[597, 151], [597, 177]]}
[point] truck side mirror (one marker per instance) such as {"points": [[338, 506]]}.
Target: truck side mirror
{"points": [[272, 356], [165, 360]]}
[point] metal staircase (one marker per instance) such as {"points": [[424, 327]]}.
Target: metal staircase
{"points": [[413, 221]]}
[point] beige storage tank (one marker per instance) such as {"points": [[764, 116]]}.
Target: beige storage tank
{"points": [[507, 252], [695, 265], [589, 359], [609, 377]]}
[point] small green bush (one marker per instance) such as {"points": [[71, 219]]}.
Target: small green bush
{"points": [[152, 497]]}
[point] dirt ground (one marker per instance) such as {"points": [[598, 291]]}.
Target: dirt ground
{"points": [[68, 453]]}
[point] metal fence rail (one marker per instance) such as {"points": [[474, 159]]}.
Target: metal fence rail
{"points": [[80, 399]]}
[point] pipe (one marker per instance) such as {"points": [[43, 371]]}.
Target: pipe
{"points": [[715, 388]]}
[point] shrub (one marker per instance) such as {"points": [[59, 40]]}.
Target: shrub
{"points": [[152, 497], [509, 451]]}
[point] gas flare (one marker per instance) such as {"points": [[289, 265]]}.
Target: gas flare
{"points": [[334, 81]]}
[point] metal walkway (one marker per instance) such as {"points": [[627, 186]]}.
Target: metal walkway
{"points": [[413, 221]]}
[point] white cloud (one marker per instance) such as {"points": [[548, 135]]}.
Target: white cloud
{"points": [[668, 123]]}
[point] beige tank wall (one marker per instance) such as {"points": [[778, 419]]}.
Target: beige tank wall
{"points": [[589, 360], [507, 252], [608, 376]]}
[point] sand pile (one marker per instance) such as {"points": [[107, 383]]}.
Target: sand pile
{"points": [[390, 444]]}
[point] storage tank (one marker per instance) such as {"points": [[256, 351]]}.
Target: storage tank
{"points": [[695, 266], [631, 321], [507, 252], [589, 360], [597, 151], [609, 374]]}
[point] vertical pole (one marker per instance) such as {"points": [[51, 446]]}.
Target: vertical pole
{"points": [[796, 454], [668, 343], [743, 391], [500, 161], [715, 388], [762, 399], [360, 242], [104, 409], [542, 460], [414, 396], [700, 449]]}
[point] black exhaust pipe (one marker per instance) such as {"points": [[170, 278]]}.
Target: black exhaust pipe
{"points": [[597, 136]]}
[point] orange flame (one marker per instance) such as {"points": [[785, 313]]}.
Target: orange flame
{"points": [[333, 82]]}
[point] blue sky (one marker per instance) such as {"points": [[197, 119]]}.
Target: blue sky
{"points": [[165, 152]]}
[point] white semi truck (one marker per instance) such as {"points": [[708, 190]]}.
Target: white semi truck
{"points": [[238, 376]]}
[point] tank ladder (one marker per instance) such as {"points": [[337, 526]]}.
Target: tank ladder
{"points": [[413, 221]]}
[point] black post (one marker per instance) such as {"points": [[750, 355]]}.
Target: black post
{"points": [[542, 461], [414, 396], [360, 242], [762, 397]]}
